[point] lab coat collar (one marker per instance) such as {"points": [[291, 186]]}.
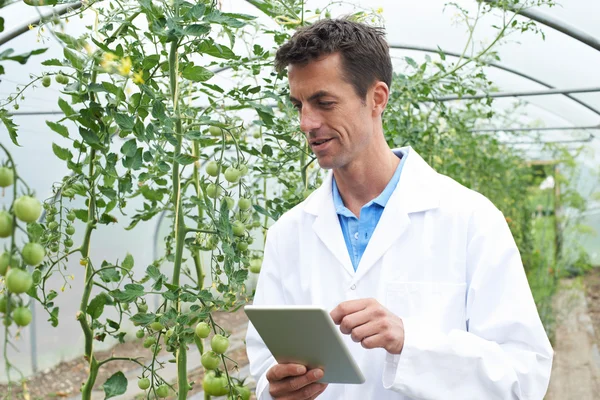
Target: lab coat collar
{"points": [[417, 191]]}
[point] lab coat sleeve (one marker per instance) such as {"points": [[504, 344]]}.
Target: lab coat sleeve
{"points": [[505, 352], [268, 292]]}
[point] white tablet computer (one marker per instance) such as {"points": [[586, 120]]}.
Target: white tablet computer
{"points": [[305, 335]]}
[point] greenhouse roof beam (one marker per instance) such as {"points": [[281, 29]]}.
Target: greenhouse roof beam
{"points": [[518, 94], [492, 64], [556, 24], [25, 27], [529, 129]]}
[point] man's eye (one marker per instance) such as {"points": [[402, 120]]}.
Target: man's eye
{"points": [[326, 103]]}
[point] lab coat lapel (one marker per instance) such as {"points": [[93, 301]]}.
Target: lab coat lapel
{"points": [[416, 191], [327, 225]]}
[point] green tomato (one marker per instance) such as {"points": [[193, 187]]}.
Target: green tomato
{"points": [[212, 168], [255, 265], [219, 344], [46, 81], [149, 341], [242, 246], [27, 208], [169, 333], [71, 216], [213, 191], [68, 242], [140, 334], [256, 135], [239, 229], [232, 174], [230, 202], [52, 225], [144, 383], [7, 177], [157, 326], [4, 304], [243, 169], [162, 391], [33, 253], [22, 316], [143, 308], [70, 230], [214, 385], [18, 280], [54, 248], [6, 224], [240, 393], [256, 224], [155, 348], [244, 204], [215, 131], [5, 262], [202, 330], [210, 360]]}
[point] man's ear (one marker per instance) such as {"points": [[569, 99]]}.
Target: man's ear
{"points": [[381, 94]]}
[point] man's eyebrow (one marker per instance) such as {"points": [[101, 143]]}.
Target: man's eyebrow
{"points": [[317, 95]]}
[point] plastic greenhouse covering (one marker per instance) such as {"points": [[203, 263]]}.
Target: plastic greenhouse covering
{"points": [[527, 65]]}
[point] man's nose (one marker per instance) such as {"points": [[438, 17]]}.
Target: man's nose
{"points": [[309, 120]]}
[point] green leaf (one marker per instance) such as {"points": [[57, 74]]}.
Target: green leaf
{"points": [[197, 29], [96, 306], [58, 128], [217, 50], [134, 162], [197, 73], [73, 58], [125, 122], [225, 19], [10, 126], [35, 231], [127, 262], [21, 58], [70, 41], [90, 138], [53, 62], [1, 24], [267, 150], [109, 273], [129, 148], [131, 293], [67, 109], [150, 61], [81, 215], [143, 319], [185, 159], [115, 385], [62, 153]]}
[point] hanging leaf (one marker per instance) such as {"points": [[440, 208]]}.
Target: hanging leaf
{"points": [[115, 385]]}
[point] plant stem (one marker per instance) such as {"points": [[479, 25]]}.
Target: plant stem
{"points": [[179, 224], [86, 390]]}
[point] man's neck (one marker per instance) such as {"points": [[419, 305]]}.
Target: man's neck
{"points": [[361, 182]]}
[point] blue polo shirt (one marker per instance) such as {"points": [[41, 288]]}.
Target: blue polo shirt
{"points": [[358, 232]]}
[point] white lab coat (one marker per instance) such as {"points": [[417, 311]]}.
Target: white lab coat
{"points": [[442, 258]]}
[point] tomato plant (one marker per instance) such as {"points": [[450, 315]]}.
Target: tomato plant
{"points": [[130, 89]]}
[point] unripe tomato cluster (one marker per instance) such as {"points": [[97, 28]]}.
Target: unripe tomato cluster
{"points": [[53, 235], [17, 280]]}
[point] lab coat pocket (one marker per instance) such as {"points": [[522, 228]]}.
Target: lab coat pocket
{"points": [[439, 304]]}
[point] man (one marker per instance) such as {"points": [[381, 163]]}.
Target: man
{"points": [[421, 274]]}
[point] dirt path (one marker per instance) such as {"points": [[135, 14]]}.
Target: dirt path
{"points": [[576, 367]]}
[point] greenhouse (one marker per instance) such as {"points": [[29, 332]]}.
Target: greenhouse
{"points": [[148, 147]]}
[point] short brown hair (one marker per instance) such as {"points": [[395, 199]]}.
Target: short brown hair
{"points": [[363, 48]]}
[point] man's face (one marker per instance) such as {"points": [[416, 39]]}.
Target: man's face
{"points": [[336, 122]]}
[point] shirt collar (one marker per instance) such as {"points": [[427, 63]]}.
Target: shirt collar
{"points": [[381, 200]]}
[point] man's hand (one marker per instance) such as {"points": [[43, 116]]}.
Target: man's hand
{"points": [[294, 382], [371, 324]]}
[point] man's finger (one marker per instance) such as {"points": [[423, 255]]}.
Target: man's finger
{"points": [[354, 320], [297, 384], [321, 390], [281, 371], [363, 331], [347, 307]]}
